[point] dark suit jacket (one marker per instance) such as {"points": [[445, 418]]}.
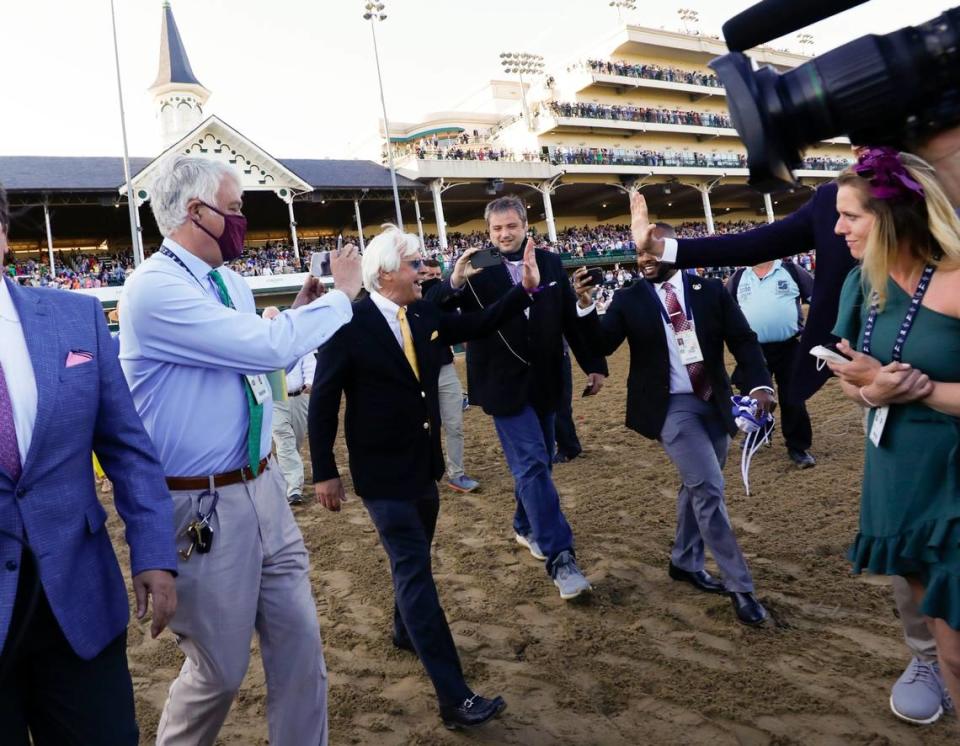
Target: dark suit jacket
{"points": [[392, 420], [635, 315], [501, 381], [810, 227], [54, 503]]}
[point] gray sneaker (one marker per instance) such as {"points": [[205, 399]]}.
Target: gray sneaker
{"points": [[568, 578], [530, 543], [918, 695]]}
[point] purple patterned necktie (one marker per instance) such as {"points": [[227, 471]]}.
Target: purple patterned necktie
{"points": [[9, 448], [698, 373]]}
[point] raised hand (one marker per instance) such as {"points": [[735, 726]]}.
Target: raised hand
{"points": [[642, 228], [345, 268], [463, 270], [531, 272]]}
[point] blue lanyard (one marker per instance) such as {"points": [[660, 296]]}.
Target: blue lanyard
{"points": [[166, 252], [908, 320], [686, 299]]}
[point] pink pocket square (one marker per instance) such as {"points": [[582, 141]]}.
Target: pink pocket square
{"points": [[77, 357]]}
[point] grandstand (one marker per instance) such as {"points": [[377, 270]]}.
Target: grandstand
{"points": [[641, 111]]}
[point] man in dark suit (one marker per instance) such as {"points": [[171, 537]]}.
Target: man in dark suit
{"points": [[515, 375], [812, 227], [678, 392], [63, 606], [387, 360]]}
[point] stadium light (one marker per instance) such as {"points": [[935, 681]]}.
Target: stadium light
{"points": [[134, 230], [521, 63], [373, 12], [806, 44], [688, 16], [623, 5]]}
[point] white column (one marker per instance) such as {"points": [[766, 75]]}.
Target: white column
{"points": [[769, 205], [356, 210], [548, 212], [46, 217], [293, 232], [416, 207], [707, 210], [437, 188]]}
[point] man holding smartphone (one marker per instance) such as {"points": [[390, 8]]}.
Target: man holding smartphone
{"points": [[515, 375]]}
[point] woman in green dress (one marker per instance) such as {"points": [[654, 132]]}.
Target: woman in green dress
{"points": [[900, 320]]}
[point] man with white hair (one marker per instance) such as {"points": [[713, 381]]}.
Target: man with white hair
{"points": [[195, 355], [387, 360], [290, 418]]}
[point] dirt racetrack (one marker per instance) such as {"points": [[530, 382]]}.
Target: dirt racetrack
{"points": [[644, 660]]}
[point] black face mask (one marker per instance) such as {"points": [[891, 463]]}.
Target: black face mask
{"points": [[427, 284]]}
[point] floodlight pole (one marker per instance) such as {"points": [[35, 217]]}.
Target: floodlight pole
{"points": [[131, 204], [373, 17]]}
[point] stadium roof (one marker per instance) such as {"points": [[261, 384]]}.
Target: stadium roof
{"points": [[174, 63], [30, 173]]}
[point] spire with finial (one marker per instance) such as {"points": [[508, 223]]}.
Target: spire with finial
{"points": [[177, 94]]}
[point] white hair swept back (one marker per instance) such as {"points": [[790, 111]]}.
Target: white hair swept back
{"points": [[180, 180], [385, 252]]}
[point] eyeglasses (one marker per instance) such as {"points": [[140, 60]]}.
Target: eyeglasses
{"points": [[416, 264]]}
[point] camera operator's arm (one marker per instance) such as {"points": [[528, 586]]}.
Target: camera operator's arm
{"points": [[942, 151], [790, 235]]}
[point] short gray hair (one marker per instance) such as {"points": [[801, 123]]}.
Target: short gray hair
{"points": [[502, 204], [180, 180], [385, 252]]}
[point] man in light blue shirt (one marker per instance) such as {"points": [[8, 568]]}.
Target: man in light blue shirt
{"points": [[770, 295], [195, 355]]}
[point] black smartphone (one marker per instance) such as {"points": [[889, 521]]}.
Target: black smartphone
{"points": [[595, 275], [486, 257]]}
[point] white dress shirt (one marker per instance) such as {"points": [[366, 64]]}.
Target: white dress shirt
{"points": [[18, 371], [679, 378], [301, 374], [389, 309]]}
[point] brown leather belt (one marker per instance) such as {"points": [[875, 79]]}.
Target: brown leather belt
{"points": [[219, 480]]}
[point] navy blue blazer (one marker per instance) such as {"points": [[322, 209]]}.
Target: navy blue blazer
{"points": [[392, 419], [810, 227], [81, 409], [523, 363], [635, 314]]}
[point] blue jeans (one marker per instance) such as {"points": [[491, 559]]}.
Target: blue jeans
{"points": [[527, 440]]}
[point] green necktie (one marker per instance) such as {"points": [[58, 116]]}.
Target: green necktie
{"points": [[255, 410]]}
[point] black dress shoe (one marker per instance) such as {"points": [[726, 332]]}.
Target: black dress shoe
{"points": [[803, 459], [747, 608], [699, 579], [562, 458], [403, 643], [471, 712]]}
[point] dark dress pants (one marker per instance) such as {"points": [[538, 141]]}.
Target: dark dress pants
{"points": [[406, 531], [568, 443], [61, 699]]}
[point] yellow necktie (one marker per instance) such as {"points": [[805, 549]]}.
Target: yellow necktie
{"points": [[408, 350]]}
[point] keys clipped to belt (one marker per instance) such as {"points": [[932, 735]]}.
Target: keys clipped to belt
{"points": [[200, 533]]}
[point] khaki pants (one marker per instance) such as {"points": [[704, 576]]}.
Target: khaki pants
{"points": [[451, 417], [254, 579], [289, 430]]}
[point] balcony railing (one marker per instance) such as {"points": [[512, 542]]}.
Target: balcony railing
{"points": [[644, 114], [645, 71]]}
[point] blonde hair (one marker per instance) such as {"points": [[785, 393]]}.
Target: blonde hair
{"points": [[929, 228], [385, 252]]}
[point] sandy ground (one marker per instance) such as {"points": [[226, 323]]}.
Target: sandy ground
{"points": [[643, 660]]}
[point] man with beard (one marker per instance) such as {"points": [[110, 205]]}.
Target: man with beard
{"points": [[678, 392]]}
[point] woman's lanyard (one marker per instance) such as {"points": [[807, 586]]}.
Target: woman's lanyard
{"points": [[908, 320]]}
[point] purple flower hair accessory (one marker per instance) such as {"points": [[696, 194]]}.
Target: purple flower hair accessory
{"points": [[888, 177]]}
